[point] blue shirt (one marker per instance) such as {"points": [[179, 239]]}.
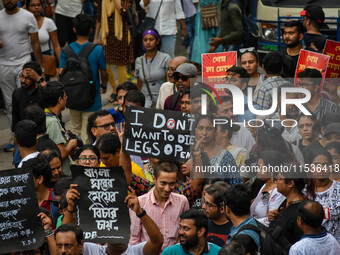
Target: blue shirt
{"points": [[251, 233], [177, 249], [97, 61]]}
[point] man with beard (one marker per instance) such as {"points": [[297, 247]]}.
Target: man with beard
{"points": [[218, 224], [18, 36], [292, 37], [184, 77], [193, 229], [29, 93]]}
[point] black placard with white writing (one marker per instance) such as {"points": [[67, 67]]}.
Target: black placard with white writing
{"points": [[101, 212], [20, 227], [158, 133]]}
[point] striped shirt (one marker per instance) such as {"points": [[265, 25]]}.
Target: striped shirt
{"points": [[263, 95], [167, 218], [325, 106]]}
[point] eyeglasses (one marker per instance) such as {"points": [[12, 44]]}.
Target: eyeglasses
{"points": [[25, 77], [209, 205], [108, 125], [245, 50], [83, 159], [182, 77]]}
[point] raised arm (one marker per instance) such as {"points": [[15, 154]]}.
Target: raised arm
{"points": [[124, 159], [71, 195], [154, 244], [47, 224]]}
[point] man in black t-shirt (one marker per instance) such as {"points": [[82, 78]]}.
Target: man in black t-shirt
{"points": [[313, 20], [218, 224], [292, 37]]}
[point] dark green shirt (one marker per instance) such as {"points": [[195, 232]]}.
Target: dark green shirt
{"points": [[231, 24]]}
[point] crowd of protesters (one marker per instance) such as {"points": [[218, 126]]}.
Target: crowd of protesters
{"points": [[172, 211]]}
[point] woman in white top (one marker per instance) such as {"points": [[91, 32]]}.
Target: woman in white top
{"points": [[47, 29], [268, 197]]}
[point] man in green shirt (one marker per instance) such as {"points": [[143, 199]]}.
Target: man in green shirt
{"points": [[231, 33]]}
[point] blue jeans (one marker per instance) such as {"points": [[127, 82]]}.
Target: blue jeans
{"points": [[168, 45], [190, 26]]}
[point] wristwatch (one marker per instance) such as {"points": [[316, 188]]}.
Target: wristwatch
{"points": [[40, 80], [143, 213]]}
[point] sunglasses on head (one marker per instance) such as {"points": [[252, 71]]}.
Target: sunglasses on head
{"points": [[182, 77], [245, 50]]}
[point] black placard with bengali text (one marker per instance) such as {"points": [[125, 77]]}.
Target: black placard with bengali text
{"points": [[101, 212], [20, 227], [158, 134]]}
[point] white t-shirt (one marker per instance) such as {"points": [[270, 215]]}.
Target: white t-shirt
{"points": [[69, 8], [29, 156], [166, 90], [170, 11], [265, 203], [15, 33], [44, 36], [95, 249], [326, 244], [330, 201]]}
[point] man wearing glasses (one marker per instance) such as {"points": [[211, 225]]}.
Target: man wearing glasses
{"points": [[184, 77], [212, 205], [311, 79], [100, 123]]}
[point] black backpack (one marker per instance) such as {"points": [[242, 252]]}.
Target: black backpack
{"points": [[77, 78], [272, 240], [250, 29]]}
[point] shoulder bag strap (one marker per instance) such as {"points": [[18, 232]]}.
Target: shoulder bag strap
{"points": [[147, 83], [68, 51], [158, 10], [85, 52]]}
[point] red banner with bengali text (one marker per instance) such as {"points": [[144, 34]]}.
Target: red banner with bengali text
{"points": [[215, 66], [309, 59], [332, 49]]}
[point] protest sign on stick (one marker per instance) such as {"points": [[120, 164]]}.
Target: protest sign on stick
{"points": [[332, 49], [101, 212], [158, 133], [20, 227], [309, 59], [215, 66]]}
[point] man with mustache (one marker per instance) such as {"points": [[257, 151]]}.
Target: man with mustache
{"points": [[292, 37], [193, 229], [185, 78]]}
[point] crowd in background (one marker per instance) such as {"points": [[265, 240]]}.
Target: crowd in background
{"points": [[171, 211]]}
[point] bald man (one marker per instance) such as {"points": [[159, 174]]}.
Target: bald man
{"points": [[168, 88], [315, 239]]}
